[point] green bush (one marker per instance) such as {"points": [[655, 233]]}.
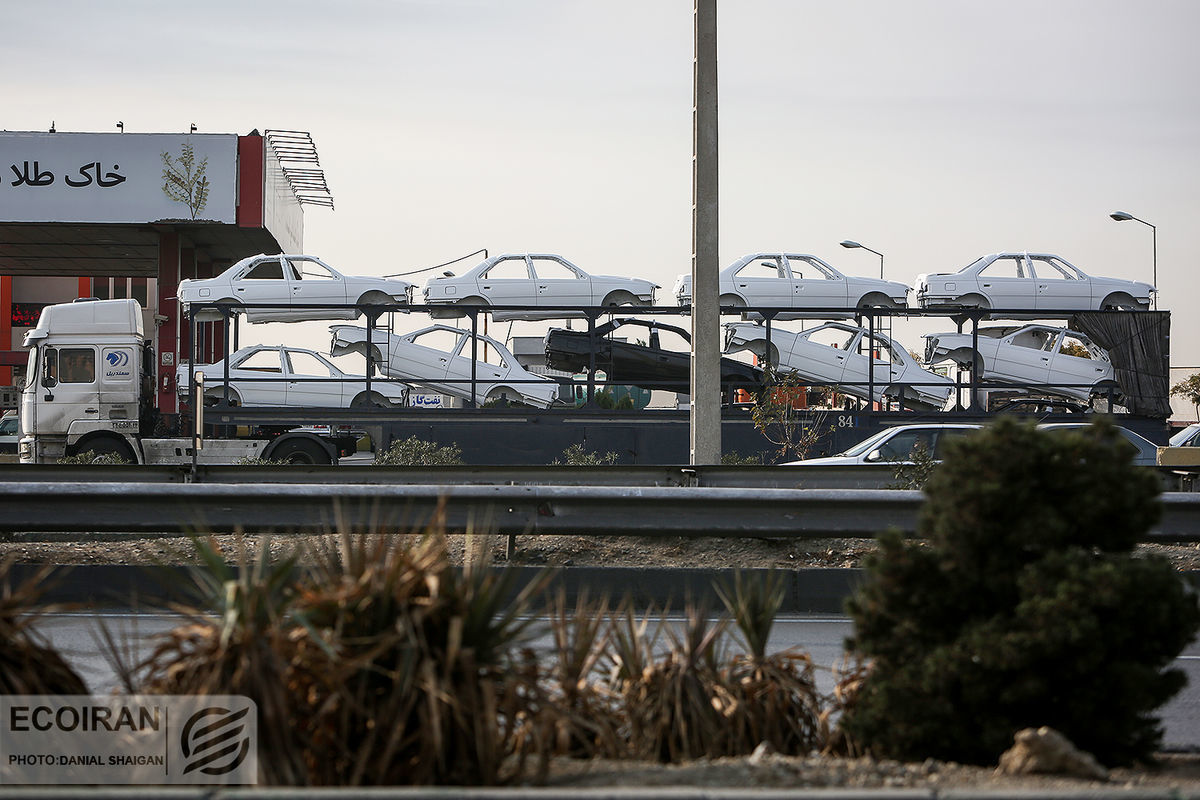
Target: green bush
{"points": [[1024, 607], [576, 456], [95, 459], [416, 452]]}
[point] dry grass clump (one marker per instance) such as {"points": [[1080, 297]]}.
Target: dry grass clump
{"points": [[375, 661], [28, 664]]}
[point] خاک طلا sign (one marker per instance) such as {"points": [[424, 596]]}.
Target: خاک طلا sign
{"points": [[117, 177]]}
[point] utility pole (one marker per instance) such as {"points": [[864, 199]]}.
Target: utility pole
{"points": [[706, 318]]}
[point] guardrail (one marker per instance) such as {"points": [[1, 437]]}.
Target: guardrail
{"points": [[122, 506], [867, 476]]}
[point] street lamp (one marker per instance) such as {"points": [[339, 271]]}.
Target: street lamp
{"points": [[1121, 216], [850, 244]]}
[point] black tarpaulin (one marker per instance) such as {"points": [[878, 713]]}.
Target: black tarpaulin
{"points": [[1139, 345]]}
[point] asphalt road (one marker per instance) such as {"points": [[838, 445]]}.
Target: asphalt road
{"points": [[78, 637]]}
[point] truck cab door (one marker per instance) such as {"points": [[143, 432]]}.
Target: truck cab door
{"points": [[68, 391]]}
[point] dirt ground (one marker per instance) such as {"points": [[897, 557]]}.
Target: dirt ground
{"points": [[562, 551]]}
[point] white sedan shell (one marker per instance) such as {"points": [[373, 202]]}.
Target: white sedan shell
{"points": [[894, 445], [279, 375], [1034, 282], [1033, 355], [534, 279], [289, 281], [439, 357], [834, 354], [793, 280]]}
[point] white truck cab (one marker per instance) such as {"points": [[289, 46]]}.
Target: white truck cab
{"points": [[90, 387]]}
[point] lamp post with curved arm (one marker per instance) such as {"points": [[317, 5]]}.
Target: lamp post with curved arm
{"points": [[1121, 216], [851, 245]]}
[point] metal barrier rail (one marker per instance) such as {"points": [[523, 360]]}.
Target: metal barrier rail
{"points": [[31, 506], [866, 476]]}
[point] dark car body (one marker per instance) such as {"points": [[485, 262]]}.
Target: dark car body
{"points": [[648, 366]]}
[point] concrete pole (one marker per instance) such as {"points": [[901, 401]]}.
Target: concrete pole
{"points": [[706, 319]]}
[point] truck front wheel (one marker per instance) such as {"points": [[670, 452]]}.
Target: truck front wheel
{"points": [[101, 446], [300, 451]]}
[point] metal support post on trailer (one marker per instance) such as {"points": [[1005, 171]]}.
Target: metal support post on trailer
{"points": [[591, 378], [474, 357]]}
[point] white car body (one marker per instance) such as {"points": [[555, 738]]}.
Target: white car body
{"points": [[1029, 355], [10, 432], [1188, 437], [1028, 282], [278, 375], [792, 280], [289, 281], [834, 354], [1147, 451], [439, 357], [893, 445], [534, 279]]}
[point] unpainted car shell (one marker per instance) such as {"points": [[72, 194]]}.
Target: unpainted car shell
{"points": [[549, 280], [801, 281], [1023, 281], [274, 381], [1028, 355], [401, 357], [846, 368], [650, 367], [289, 280]]}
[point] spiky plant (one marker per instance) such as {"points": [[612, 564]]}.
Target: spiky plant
{"points": [[770, 698], [421, 679], [28, 663], [673, 702], [586, 722], [234, 640]]}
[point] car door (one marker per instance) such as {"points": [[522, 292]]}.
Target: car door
{"points": [[491, 367], [814, 286], [314, 383], [765, 282], [821, 355], [314, 283], [265, 281], [508, 282], [1075, 360], [1023, 355], [870, 365], [1008, 282], [559, 284], [424, 357], [1059, 286], [258, 377]]}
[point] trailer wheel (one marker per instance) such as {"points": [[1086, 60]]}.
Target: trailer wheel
{"points": [[300, 451]]}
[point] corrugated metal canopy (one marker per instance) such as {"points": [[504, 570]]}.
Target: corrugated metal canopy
{"points": [[97, 250]]}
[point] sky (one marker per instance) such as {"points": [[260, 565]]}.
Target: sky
{"points": [[933, 131]]}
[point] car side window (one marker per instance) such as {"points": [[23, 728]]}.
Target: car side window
{"points": [[554, 270], [308, 364], [948, 435], [1036, 339], [766, 267], [1074, 346], [265, 271], [440, 339], [261, 361], [900, 446], [804, 269], [507, 269], [833, 337], [1047, 270], [1007, 267], [312, 271]]}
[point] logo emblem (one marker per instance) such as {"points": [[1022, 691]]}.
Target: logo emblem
{"points": [[116, 358], [215, 741]]}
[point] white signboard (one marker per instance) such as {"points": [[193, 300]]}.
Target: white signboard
{"points": [[115, 177]]}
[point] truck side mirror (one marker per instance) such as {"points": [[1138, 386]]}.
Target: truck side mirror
{"points": [[50, 369]]}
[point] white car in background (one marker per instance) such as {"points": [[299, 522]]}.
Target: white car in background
{"points": [[894, 445], [1146, 454], [533, 279], [836, 354], [278, 375], [792, 280], [1041, 357], [1028, 282], [10, 432], [439, 357], [289, 281]]}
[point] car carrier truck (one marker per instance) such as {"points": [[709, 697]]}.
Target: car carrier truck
{"points": [[90, 387]]}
